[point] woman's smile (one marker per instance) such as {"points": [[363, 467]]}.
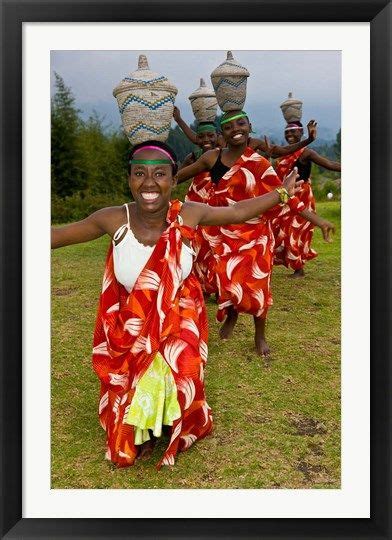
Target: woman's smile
{"points": [[150, 196]]}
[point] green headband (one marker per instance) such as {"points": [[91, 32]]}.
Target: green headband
{"points": [[151, 162], [242, 114], [206, 127]]}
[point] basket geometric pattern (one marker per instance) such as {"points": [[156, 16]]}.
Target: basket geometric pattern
{"points": [[153, 105], [146, 102], [229, 80], [291, 109], [204, 103], [145, 83], [134, 130], [231, 104]]}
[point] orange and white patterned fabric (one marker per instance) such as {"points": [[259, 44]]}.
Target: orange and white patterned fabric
{"points": [[161, 314], [200, 191], [244, 252], [293, 234]]}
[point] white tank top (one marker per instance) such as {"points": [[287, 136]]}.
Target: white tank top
{"points": [[130, 256]]}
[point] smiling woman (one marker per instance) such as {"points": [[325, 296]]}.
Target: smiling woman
{"points": [[150, 339], [243, 254]]}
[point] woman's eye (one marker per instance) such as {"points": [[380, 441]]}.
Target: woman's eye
{"points": [[139, 173]]}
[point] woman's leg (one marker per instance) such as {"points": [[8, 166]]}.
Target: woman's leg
{"points": [[298, 273], [228, 326], [147, 448], [262, 347]]}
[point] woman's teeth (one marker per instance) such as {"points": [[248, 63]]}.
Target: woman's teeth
{"points": [[150, 196], [238, 136]]}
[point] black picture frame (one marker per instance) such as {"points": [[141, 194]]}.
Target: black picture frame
{"points": [[14, 14]]}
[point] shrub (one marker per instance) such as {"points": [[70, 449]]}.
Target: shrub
{"points": [[79, 205]]}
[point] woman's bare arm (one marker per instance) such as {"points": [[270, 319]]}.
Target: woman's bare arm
{"points": [[326, 227], [187, 161], [204, 163], [279, 151], [313, 156], [241, 211], [184, 126], [94, 226]]}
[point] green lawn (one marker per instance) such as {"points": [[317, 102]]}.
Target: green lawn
{"points": [[277, 421]]}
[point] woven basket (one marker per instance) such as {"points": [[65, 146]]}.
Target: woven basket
{"points": [[292, 109], [146, 102], [229, 81], [204, 103]]}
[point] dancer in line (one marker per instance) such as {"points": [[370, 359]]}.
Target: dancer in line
{"points": [[243, 254], [201, 188], [293, 234], [207, 138], [150, 339]]}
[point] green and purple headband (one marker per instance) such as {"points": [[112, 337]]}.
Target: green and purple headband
{"points": [[169, 161]]}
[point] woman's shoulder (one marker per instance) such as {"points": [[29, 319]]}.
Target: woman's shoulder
{"points": [[211, 155], [111, 218]]}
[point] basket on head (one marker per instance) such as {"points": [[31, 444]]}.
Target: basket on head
{"points": [[229, 81], [292, 109], [146, 102], [204, 103]]}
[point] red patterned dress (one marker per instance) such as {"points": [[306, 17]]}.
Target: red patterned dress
{"points": [[200, 190], [293, 234], [244, 252], [161, 316]]}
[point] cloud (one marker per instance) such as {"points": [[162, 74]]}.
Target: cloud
{"points": [[313, 76]]}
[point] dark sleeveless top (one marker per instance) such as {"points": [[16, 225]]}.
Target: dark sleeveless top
{"points": [[218, 169], [304, 169]]}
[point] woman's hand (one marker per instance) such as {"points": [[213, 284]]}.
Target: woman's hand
{"points": [[290, 182], [327, 228], [312, 130]]}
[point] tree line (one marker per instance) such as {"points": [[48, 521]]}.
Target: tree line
{"points": [[89, 159]]}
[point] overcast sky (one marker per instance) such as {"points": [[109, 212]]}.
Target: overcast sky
{"points": [[312, 76]]}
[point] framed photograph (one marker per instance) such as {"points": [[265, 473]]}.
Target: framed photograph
{"points": [[48, 489]]}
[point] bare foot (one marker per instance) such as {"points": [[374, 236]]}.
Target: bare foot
{"points": [[298, 273], [146, 449], [262, 347], [227, 328]]}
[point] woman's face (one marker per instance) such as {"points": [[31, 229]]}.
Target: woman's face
{"points": [[236, 132], [293, 136], [151, 185], [207, 141]]}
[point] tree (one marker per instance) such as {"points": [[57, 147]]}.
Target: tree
{"points": [[337, 145], [67, 174], [104, 153], [181, 145]]}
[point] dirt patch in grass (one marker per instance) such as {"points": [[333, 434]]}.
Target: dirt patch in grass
{"points": [[304, 425], [313, 473], [63, 291]]}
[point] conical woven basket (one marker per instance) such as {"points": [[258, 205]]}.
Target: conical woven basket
{"points": [[204, 103], [292, 109], [229, 81], [146, 102]]}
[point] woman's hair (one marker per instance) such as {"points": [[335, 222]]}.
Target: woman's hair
{"points": [[159, 144]]}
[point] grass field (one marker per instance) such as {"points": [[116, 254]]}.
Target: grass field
{"points": [[277, 421]]}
